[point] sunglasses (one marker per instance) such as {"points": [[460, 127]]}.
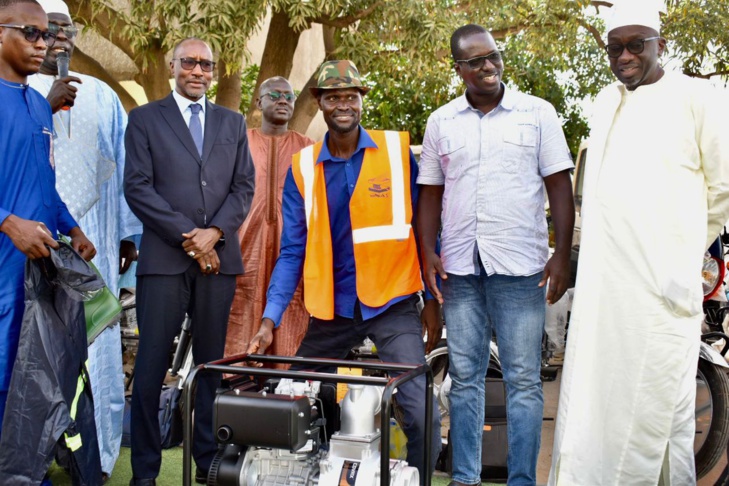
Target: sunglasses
{"points": [[634, 47], [32, 34], [275, 96], [189, 64], [69, 30], [478, 62]]}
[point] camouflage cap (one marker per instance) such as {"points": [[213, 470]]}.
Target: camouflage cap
{"points": [[338, 74]]}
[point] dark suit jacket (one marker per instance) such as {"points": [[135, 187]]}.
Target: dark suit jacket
{"points": [[172, 191]]}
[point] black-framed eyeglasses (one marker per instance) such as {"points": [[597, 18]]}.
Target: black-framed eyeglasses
{"points": [[189, 64], [634, 47], [69, 30], [275, 96], [32, 34], [478, 62]]}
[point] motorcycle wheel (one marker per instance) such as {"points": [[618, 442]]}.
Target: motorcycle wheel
{"points": [[712, 416]]}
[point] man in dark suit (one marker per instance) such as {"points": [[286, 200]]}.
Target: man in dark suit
{"points": [[189, 178]]}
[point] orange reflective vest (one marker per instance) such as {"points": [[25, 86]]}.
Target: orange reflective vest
{"points": [[385, 254]]}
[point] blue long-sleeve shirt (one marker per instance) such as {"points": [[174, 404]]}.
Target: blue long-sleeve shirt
{"points": [[341, 177], [28, 192]]}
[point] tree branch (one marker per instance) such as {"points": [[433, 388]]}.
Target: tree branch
{"points": [[347, 20], [103, 22], [306, 107], [500, 34], [593, 31], [706, 76], [598, 4]]}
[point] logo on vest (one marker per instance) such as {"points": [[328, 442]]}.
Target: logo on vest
{"points": [[379, 187]]}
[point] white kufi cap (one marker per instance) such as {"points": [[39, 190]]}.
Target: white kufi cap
{"points": [[55, 6], [636, 12]]}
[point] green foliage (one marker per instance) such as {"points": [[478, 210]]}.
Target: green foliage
{"points": [[146, 25], [405, 52], [248, 77], [552, 49], [698, 36], [403, 100]]}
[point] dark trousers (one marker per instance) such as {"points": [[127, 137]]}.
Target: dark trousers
{"points": [[162, 301], [397, 334]]}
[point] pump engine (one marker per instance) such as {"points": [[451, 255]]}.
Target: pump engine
{"points": [[279, 439]]}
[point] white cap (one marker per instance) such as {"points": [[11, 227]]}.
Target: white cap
{"points": [[636, 12], [55, 6]]}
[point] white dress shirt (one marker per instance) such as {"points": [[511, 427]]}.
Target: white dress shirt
{"points": [[184, 105]]}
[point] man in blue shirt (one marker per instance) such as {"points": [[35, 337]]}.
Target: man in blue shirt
{"points": [[347, 207], [31, 211]]}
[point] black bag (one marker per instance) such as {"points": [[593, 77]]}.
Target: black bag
{"points": [[170, 418], [47, 399]]}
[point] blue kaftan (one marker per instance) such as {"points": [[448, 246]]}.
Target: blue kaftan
{"points": [[28, 191]]}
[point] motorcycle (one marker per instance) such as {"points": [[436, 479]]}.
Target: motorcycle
{"points": [[712, 382]]}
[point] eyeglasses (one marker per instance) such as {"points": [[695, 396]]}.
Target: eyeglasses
{"points": [[189, 64], [69, 30], [32, 34], [275, 96], [634, 47], [478, 62]]}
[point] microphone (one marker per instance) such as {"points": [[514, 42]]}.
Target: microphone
{"points": [[62, 61]]}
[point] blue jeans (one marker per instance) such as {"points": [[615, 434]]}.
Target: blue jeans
{"points": [[475, 306]]}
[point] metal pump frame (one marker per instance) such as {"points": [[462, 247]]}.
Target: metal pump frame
{"points": [[408, 372]]}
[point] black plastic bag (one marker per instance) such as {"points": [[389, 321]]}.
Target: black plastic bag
{"points": [[46, 388]]}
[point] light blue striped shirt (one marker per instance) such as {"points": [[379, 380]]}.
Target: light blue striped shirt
{"points": [[493, 167]]}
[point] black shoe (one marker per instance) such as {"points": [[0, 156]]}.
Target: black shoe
{"points": [[142, 482], [456, 483], [201, 476]]}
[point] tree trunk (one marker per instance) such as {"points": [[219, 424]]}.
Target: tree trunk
{"points": [[83, 63], [306, 106], [305, 109], [228, 88], [155, 79], [278, 57]]}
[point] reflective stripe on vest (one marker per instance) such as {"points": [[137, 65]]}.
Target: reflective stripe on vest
{"points": [[399, 229], [307, 173]]}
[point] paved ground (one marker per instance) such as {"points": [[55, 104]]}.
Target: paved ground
{"points": [[551, 398]]}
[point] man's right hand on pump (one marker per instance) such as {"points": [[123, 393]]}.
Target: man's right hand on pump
{"points": [[263, 339], [30, 237]]}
